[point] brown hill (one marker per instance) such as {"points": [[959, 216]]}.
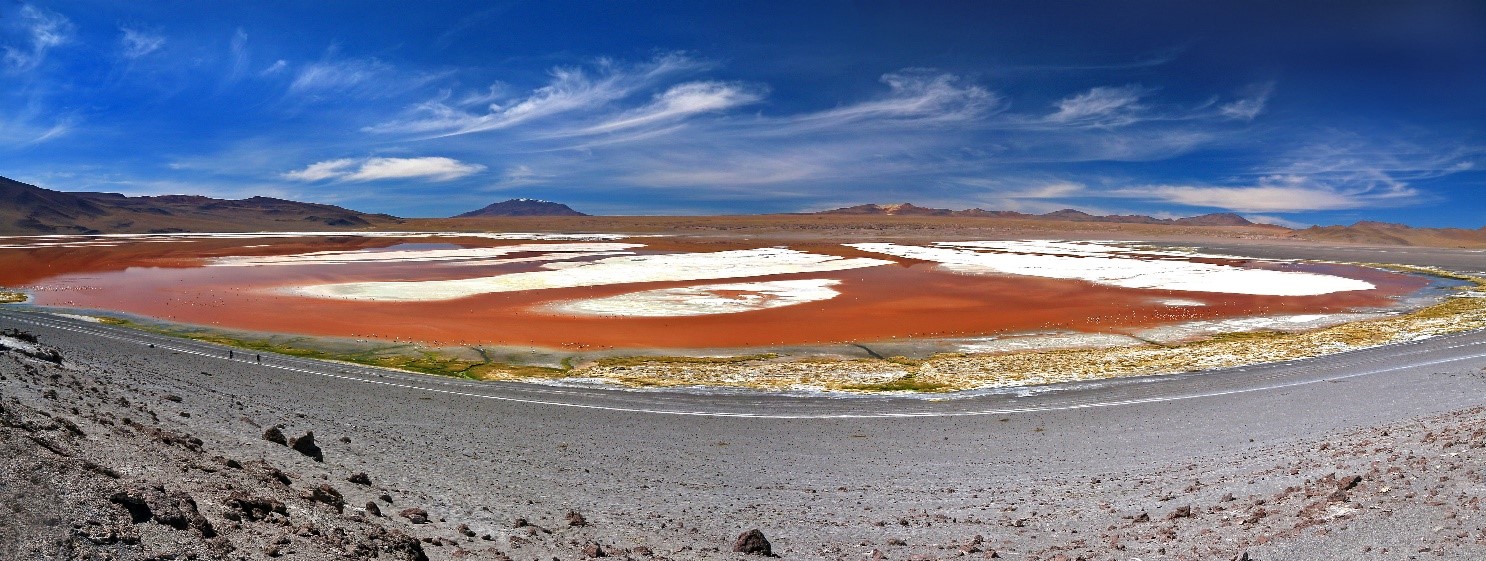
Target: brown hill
{"points": [[1384, 233], [1067, 214], [522, 207], [1214, 219], [28, 209]]}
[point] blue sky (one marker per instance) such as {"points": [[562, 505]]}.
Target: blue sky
{"points": [[1295, 112]]}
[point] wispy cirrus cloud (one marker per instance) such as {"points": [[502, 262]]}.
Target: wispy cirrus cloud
{"points": [[913, 95], [1101, 106], [134, 43], [41, 31], [681, 101], [238, 55], [336, 75], [1345, 172], [275, 68], [1246, 108], [1274, 194], [571, 90], [432, 168]]}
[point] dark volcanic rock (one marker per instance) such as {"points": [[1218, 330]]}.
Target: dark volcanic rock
{"points": [[753, 542], [275, 434], [253, 508], [360, 479], [393, 543], [306, 445], [135, 503], [324, 493], [175, 509]]}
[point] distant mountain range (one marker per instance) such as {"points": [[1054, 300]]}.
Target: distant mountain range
{"points": [[1067, 214], [1363, 232], [522, 207], [28, 209]]}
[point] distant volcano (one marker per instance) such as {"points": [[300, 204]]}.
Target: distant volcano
{"points": [[523, 207]]}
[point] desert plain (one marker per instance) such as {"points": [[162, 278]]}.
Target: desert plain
{"points": [[172, 419]]}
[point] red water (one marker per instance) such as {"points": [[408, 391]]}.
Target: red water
{"points": [[909, 300]]}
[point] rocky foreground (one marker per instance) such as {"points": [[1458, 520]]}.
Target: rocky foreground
{"points": [[97, 461]]}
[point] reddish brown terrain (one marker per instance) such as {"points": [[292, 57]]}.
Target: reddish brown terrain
{"points": [[910, 300]]}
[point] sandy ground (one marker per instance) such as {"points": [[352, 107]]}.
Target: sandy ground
{"points": [[1382, 466]]}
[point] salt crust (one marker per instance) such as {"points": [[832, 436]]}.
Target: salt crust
{"points": [[1104, 263], [613, 270], [7, 342], [1047, 342], [1180, 302], [467, 255], [1289, 323], [704, 299]]}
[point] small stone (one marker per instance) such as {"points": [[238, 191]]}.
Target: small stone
{"points": [[753, 542], [415, 515], [275, 434], [593, 550], [575, 519], [306, 445], [373, 509], [360, 479], [1180, 512], [324, 493]]}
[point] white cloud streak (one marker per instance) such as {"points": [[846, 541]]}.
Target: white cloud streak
{"points": [[1101, 106], [1275, 194], [336, 75], [134, 43], [683, 101], [432, 168], [914, 95], [570, 90], [237, 49], [44, 31], [1251, 105]]}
